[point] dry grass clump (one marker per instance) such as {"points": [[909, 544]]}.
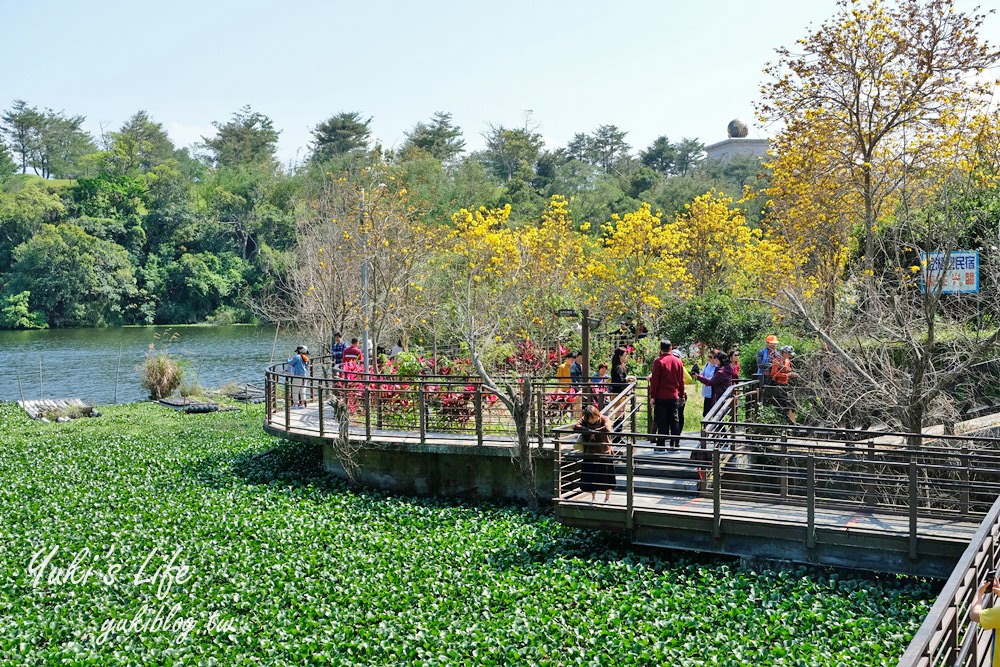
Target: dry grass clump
{"points": [[160, 375]]}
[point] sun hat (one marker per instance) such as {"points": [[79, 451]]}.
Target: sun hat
{"points": [[772, 339]]}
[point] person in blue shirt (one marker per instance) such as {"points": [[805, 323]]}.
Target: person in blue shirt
{"points": [[298, 366], [337, 349]]}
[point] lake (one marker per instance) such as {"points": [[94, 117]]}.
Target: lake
{"points": [[82, 363]]}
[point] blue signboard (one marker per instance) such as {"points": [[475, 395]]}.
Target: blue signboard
{"points": [[961, 275]]}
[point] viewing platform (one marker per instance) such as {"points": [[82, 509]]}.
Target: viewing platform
{"points": [[922, 504]]}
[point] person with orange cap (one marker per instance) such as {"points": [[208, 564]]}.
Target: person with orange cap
{"points": [[766, 357]]}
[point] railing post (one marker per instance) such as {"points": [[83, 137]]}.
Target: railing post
{"points": [[629, 492], [368, 410], [716, 493], [268, 394], [322, 420], [913, 506], [379, 394], [477, 401], [540, 399], [559, 470], [810, 501], [784, 465], [632, 408], [963, 503], [288, 404], [422, 409]]}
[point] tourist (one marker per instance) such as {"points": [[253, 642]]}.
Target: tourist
{"points": [[681, 402], [563, 374], [721, 378], [337, 348], [706, 390], [989, 618], [734, 362], [396, 349], [576, 372], [598, 468], [353, 353], [298, 366], [666, 388], [781, 373], [619, 376], [619, 383], [765, 357], [599, 385]]}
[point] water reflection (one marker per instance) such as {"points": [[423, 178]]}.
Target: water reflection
{"points": [[84, 363]]}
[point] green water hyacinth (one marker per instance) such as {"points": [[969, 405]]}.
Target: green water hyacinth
{"points": [[153, 537]]}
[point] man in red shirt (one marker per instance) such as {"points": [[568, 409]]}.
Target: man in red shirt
{"points": [[666, 388], [353, 353]]}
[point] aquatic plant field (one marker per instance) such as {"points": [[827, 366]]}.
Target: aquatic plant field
{"points": [[147, 536]]}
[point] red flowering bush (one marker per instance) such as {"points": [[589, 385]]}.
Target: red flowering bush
{"points": [[530, 359]]}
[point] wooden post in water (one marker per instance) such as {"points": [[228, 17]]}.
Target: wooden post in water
{"points": [[117, 371], [41, 394], [20, 390], [277, 327]]}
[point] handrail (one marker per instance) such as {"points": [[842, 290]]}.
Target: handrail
{"points": [[948, 636], [414, 405]]}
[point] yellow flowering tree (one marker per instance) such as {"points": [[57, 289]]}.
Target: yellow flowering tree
{"points": [[637, 265], [884, 84], [717, 246]]}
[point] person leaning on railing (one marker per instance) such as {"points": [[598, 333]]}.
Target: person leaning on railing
{"points": [[598, 468], [989, 618]]}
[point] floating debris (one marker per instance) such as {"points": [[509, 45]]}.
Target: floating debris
{"points": [[188, 405], [58, 410], [247, 393]]}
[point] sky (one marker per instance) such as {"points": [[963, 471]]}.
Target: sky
{"points": [[682, 69]]}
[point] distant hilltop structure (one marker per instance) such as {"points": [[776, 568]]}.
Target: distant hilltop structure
{"points": [[737, 144]]}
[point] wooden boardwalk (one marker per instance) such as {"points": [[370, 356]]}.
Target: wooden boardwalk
{"points": [[63, 406], [855, 539], [668, 507]]}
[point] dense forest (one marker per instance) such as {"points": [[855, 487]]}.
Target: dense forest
{"points": [[128, 228]]}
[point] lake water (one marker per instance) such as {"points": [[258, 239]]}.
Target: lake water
{"points": [[82, 363]]}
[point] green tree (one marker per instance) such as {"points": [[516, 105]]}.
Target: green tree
{"points": [[21, 124], [140, 145], [7, 166], [661, 156], [75, 279], [609, 148], [439, 138], [195, 285], [22, 214], [511, 153], [248, 139], [15, 313], [343, 133], [688, 154], [61, 146]]}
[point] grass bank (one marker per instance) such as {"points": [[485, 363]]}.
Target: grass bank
{"points": [[151, 537]]}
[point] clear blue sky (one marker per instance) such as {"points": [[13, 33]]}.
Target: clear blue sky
{"points": [[652, 67]]}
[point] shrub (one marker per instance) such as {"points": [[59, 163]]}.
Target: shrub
{"points": [[160, 375]]}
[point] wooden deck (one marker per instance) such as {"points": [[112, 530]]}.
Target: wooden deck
{"points": [[668, 507], [869, 540]]}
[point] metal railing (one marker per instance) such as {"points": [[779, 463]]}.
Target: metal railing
{"points": [[424, 406], [948, 636]]}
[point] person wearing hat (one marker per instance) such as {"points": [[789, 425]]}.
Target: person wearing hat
{"points": [[298, 366], [781, 373], [765, 357]]}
